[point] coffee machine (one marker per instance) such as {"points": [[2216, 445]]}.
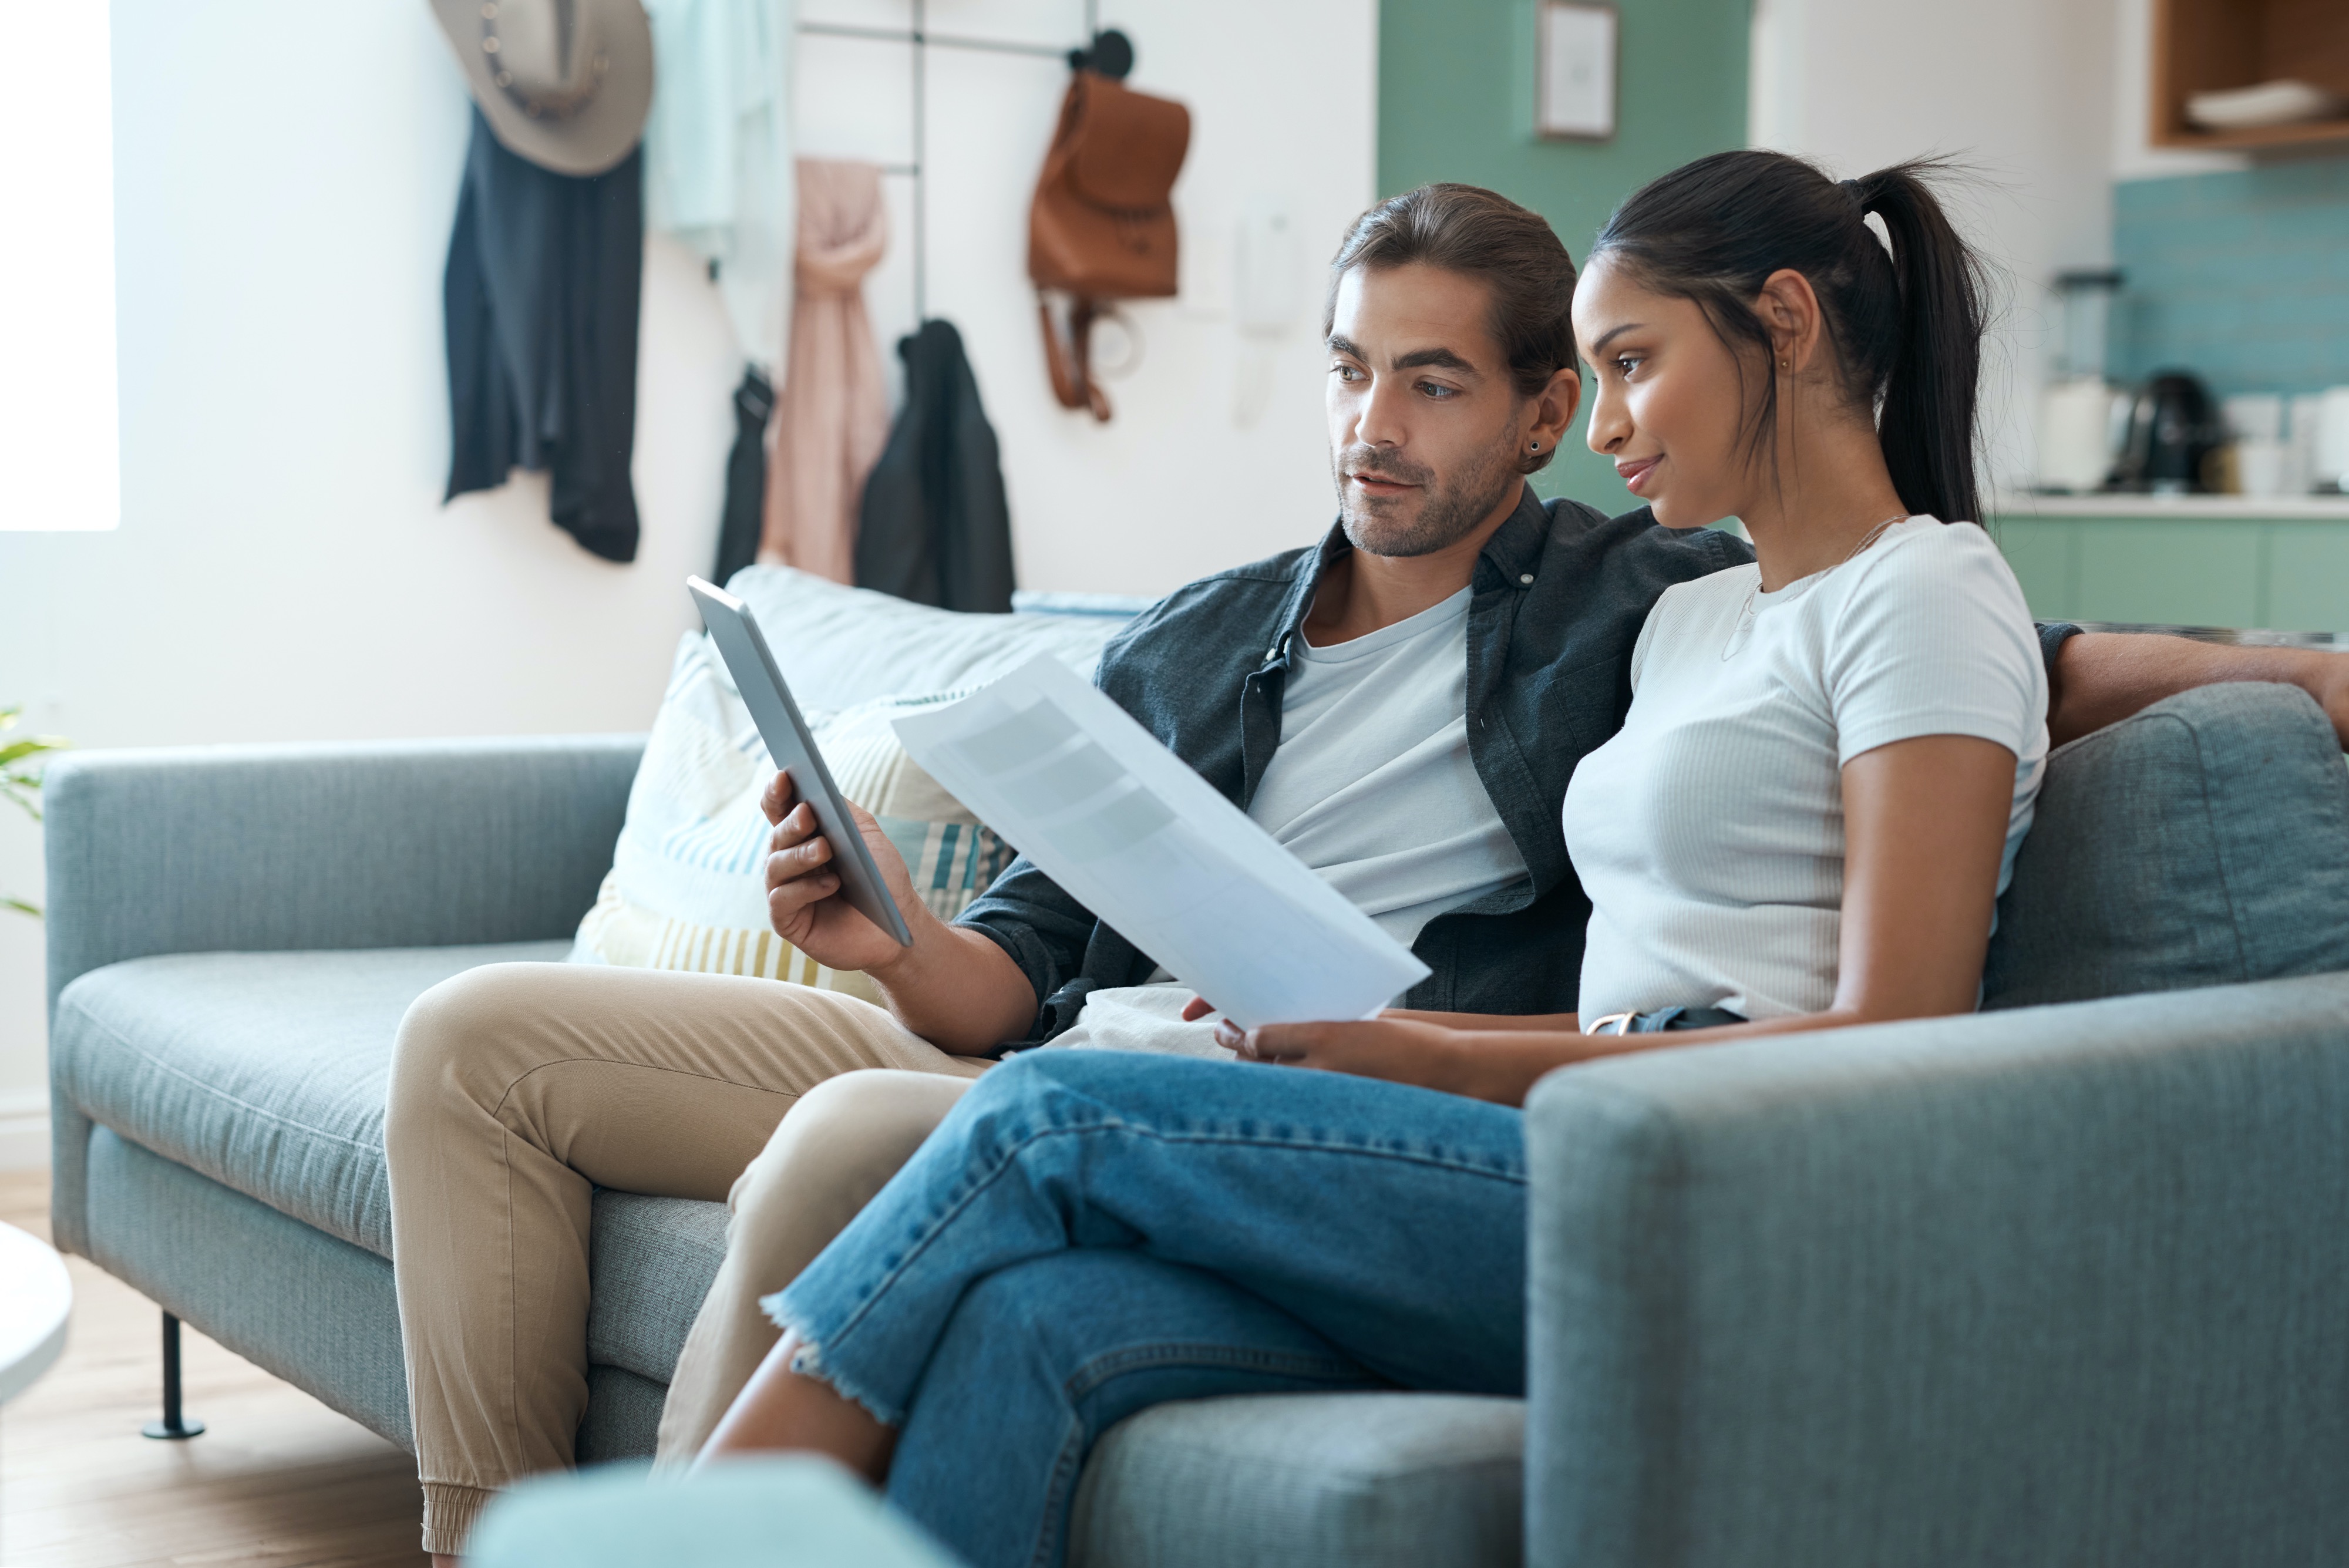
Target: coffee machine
{"points": [[2173, 429]]}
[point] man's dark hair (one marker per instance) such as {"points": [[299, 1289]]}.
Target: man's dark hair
{"points": [[1477, 233]]}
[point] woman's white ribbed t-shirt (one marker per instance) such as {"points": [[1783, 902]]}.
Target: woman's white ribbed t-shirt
{"points": [[1709, 832]]}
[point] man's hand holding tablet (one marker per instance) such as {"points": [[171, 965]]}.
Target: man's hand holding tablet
{"points": [[802, 879], [837, 888], [823, 834]]}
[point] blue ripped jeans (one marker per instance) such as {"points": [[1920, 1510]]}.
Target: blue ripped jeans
{"points": [[1091, 1233]]}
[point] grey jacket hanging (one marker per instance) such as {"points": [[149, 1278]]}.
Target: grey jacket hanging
{"points": [[934, 526]]}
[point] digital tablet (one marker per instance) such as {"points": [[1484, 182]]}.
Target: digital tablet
{"points": [[740, 642]]}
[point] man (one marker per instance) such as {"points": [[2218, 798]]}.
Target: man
{"points": [[1400, 705]]}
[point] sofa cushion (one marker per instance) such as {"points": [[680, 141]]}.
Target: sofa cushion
{"points": [[262, 1071], [2204, 841], [649, 1263], [1299, 1481], [840, 646], [687, 888]]}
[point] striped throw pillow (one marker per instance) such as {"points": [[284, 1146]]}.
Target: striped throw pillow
{"points": [[688, 890]]}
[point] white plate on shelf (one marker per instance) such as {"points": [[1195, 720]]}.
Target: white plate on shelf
{"points": [[2268, 104]]}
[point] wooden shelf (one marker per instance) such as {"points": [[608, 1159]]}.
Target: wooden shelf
{"points": [[2312, 133], [2205, 45]]}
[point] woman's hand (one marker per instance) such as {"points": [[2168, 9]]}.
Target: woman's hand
{"points": [[1401, 1051], [1199, 1007]]}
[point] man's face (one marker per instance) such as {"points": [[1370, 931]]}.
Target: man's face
{"points": [[1425, 423]]}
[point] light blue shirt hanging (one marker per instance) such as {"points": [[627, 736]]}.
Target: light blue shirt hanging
{"points": [[718, 154]]}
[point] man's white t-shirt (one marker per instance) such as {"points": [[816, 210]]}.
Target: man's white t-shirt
{"points": [[1372, 785], [1373, 788], [1708, 831]]}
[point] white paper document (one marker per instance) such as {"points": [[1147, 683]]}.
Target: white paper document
{"points": [[1147, 845]]}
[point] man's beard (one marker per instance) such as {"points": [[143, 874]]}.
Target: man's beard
{"points": [[1447, 512]]}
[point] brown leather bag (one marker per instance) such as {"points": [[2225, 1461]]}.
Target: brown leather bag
{"points": [[1100, 228]]}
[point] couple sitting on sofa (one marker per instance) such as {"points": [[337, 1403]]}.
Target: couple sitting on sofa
{"points": [[1793, 781]]}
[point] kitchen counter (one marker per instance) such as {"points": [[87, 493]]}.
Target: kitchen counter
{"points": [[2313, 508]]}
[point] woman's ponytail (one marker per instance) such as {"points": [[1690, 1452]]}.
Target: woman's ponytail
{"points": [[1906, 329], [1926, 418]]}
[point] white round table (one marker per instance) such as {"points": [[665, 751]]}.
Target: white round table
{"points": [[36, 1298]]}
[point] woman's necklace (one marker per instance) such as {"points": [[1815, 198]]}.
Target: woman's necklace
{"points": [[1743, 631]]}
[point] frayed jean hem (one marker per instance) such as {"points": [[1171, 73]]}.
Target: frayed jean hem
{"points": [[808, 1362]]}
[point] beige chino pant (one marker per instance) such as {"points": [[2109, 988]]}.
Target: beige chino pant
{"points": [[840, 1146], [516, 1090]]}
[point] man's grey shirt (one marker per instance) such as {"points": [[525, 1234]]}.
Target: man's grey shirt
{"points": [[1558, 596]]}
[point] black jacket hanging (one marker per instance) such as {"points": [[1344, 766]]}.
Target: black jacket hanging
{"points": [[934, 526], [540, 292], [746, 476]]}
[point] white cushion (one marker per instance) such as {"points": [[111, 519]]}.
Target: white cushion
{"points": [[840, 646], [687, 890]]}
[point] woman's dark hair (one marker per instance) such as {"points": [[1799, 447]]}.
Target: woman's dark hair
{"points": [[1905, 328], [1512, 251]]}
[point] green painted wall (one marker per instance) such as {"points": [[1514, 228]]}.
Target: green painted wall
{"points": [[1456, 102]]}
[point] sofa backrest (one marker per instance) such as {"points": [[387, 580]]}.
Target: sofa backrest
{"points": [[840, 646], [2204, 841]]}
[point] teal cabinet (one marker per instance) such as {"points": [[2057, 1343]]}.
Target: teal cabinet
{"points": [[2279, 574], [2193, 573], [2308, 578], [2045, 558]]}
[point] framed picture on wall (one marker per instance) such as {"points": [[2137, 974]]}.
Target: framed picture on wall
{"points": [[1574, 96]]}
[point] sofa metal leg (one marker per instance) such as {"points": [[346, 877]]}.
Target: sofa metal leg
{"points": [[174, 1424]]}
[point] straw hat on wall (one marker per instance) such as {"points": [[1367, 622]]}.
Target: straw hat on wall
{"points": [[564, 83]]}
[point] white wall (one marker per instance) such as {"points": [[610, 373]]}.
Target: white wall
{"points": [[1284, 106], [2021, 89], [285, 570], [58, 426]]}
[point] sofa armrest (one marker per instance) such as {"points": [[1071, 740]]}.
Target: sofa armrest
{"points": [[2059, 1284], [267, 848]]}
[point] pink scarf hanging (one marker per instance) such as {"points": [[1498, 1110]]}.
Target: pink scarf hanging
{"points": [[832, 415]]}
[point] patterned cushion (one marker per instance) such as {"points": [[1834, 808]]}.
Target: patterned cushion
{"points": [[686, 889]]}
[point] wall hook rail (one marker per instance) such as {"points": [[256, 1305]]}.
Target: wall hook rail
{"points": [[1110, 53]]}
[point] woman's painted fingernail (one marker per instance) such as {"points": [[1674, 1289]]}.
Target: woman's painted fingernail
{"points": [[1229, 1035]]}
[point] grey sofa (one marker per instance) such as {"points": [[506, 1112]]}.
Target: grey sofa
{"points": [[2067, 1283]]}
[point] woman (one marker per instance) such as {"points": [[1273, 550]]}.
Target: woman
{"points": [[1804, 823]]}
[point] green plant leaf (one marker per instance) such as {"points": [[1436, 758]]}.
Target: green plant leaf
{"points": [[17, 782], [21, 907]]}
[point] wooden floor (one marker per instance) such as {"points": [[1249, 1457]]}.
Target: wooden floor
{"points": [[279, 1481]]}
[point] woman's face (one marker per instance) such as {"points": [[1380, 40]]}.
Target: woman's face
{"points": [[1667, 403]]}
